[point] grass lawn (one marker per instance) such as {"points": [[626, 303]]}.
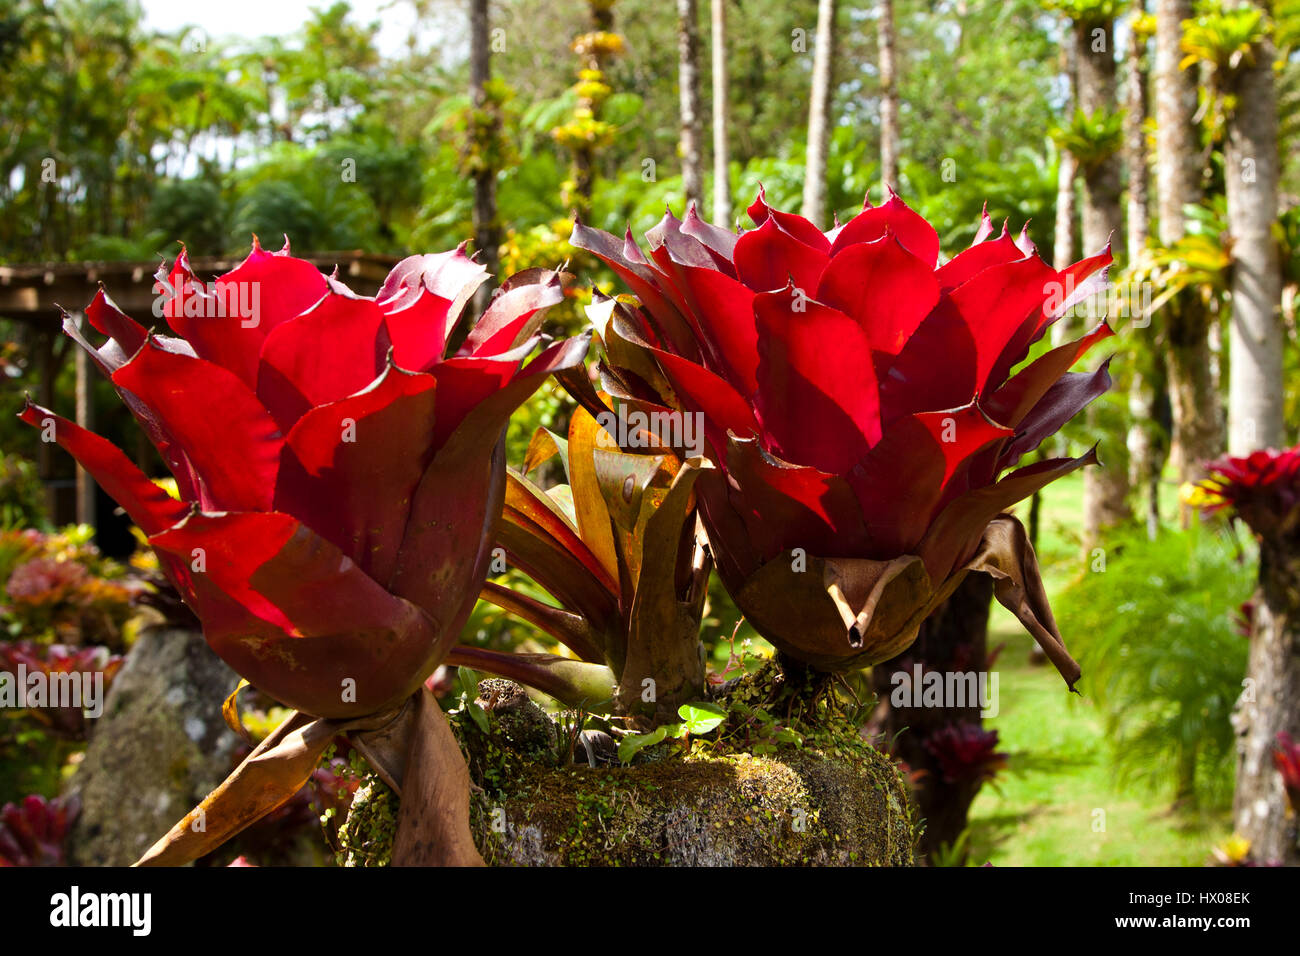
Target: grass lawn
{"points": [[1058, 803]]}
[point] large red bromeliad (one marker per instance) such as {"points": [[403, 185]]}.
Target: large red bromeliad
{"points": [[858, 401], [340, 473]]}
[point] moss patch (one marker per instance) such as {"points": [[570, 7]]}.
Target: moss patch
{"points": [[818, 795]]}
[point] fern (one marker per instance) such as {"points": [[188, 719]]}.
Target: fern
{"points": [[1162, 658]]}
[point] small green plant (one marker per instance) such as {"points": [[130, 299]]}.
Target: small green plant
{"points": [[697, 718], [1162, 656]]}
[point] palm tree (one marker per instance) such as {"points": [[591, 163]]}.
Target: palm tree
{"points": [[487, 231], [1197, 433], [1105, 489], [688, 73], [819, 124], [1255, 393], [721, 148], [888, 98]]}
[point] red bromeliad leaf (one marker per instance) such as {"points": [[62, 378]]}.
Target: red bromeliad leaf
{"points": [[818, 406], [883, 405], [349, 469], [337, 509], [786, 506], [915, 234], [885, 288], [769, 258], [294, 377], [144, 501], [235, 452]]}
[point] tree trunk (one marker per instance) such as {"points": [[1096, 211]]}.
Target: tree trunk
{"points": [[1256, 338], [487, 231], [688, 79], [1196, 407], [1143, 443], [819, 129], [1269, 704], [888, 98], [954, 639], [1105, 489], [721, 112], [1063, 238]]}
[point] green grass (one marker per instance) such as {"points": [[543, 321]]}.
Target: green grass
{"points": [[1043, 810]]}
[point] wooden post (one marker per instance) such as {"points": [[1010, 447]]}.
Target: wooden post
{"points": [[86, 419]]}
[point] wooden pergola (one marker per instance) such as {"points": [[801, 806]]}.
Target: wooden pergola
{"points": [[33, 293]]}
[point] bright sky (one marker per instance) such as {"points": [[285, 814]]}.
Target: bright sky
{"points": [[257, 18]]}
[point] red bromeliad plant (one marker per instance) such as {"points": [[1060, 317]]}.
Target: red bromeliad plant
{"points": [[1262, 489], [341, 472], [81, 671], [32, 833], [859, 404]]}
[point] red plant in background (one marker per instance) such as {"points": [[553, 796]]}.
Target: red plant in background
{"points": [[340, 468], [32, 832], [1286, 757], [54, 660], [966, 751], [1263, 488], [45, 581], [59, 590], [859, 402]]}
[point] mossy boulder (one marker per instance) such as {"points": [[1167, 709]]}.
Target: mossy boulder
{"points": [[160, 746], [833, 800]]}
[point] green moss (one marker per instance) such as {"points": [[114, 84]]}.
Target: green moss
{"points": [[737, 809], [822, 795], [366, 836]]}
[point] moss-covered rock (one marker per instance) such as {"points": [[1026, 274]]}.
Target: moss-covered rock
{"points": [[818, 795], [159, 748]]}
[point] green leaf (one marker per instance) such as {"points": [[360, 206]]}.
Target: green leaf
{"points": [[787, 736], [468, 682], [479, 716], [629, 747], [701, 717]]}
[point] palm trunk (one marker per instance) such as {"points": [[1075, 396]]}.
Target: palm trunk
{"points": [[1105, 489], [721, 111], [688, 76], [487, 231], [819, 131], [1270, 703], [1143, 444], [888, 98], [1256, 339], [1063, 237], [1197, 430]]}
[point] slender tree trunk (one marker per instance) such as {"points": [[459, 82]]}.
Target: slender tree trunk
{"points": [[1143, 444], [1063, 238], [1197, 428], [888, 98], [1105, 489], [688, 80], [487, 231], [1256, 339], [1270, 703], [721, 113], [819, 120]]}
